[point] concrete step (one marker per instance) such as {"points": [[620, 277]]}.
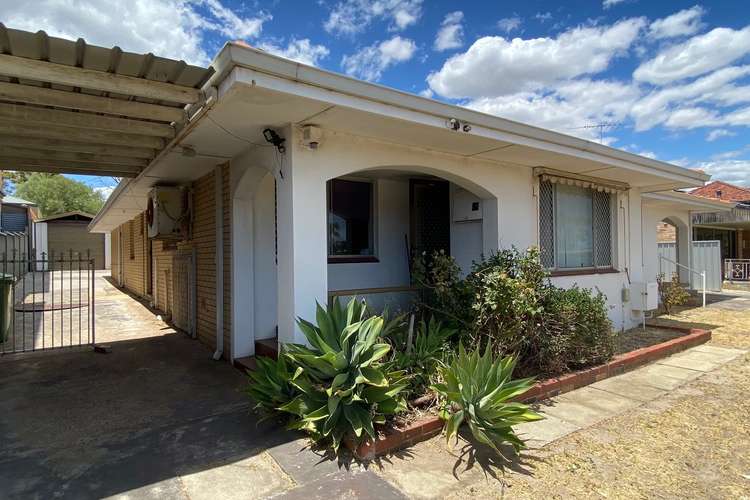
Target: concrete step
{"points": [[267, 347]]}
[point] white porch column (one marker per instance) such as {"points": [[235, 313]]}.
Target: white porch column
{"points": [[302, 240]]}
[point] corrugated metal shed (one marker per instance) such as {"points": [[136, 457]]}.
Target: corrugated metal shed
{"points": [[71, 107]]}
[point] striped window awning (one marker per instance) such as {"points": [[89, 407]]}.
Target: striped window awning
{"points": [[601, 185]]}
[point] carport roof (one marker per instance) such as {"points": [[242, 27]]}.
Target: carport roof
{"points": [[70, 107]]}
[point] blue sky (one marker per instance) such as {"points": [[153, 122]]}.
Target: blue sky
{"points": [[670, 80]]}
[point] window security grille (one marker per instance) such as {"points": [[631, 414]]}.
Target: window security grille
{"points": [[547, 224], [603, 226], [602, 206]]}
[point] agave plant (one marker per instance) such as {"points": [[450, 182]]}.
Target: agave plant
{"points": [[343, 388], [479, 390], [270, 385]]}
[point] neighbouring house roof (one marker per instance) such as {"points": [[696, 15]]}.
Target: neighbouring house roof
{"points": [[721, 190], [70, 107], [252, 89], [15, 200], [76, 215]]}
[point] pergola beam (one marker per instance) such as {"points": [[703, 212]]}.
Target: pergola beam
{"points": [[71, 100], [52, 156], [42, 143], [82, 135], [23, 113], [31, 69], [67, 167]]}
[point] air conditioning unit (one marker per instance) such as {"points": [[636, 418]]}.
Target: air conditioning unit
{"points": [[466, 206], [167, 213]]}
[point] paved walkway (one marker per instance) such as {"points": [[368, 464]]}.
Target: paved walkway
{"points": [[158, 418], [434, 469]]}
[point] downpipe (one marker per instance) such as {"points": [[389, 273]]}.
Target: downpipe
{"points": [[219, 259]]}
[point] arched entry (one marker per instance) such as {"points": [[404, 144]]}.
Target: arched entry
{"points": [[379, 218], [673, 242], [254, 283]]}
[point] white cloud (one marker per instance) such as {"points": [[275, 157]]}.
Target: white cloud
{"points": [[426, 93], [697, 117], [732, 171], [494, 66], [572, 108], [370, 62], [683, 23], [716, 88], [105, 190], [302, 51], [450, 35], [168, 28], [696, 56], [508, 24], [719, 133], [353, 16], [606, 4], [542, 18]]}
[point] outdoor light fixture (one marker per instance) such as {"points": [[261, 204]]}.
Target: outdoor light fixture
{"points": [[273, 138]]}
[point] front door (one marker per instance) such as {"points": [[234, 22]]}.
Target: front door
{"points": [[430, 216]]}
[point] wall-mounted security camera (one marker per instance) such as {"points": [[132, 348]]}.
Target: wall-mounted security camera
{"points": [[467, 127], [273, 138], [453, 124]]}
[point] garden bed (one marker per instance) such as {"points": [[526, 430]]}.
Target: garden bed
{"points": [[655, 343]]}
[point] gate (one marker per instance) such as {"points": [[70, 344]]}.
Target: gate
{"points": [[183, 291], [50, 301], [706, 256]]}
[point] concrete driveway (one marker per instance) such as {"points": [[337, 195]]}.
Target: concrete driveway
{"points": [[154, 418]]}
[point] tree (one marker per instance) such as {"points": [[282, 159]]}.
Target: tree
{"points": [[56, 194]]}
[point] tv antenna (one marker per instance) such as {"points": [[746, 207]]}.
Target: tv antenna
{"points": [[602, 127]]}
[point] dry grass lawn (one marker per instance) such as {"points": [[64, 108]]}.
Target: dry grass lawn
{"points": [[694, 443]]}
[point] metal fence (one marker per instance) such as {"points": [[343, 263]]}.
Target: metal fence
{"points": [[46, 303], [737, 269]]}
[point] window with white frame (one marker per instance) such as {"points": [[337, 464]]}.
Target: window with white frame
{"points": [[576, 226]]}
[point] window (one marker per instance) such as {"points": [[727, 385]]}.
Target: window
{"points": [[575, 226], [350, 221]]}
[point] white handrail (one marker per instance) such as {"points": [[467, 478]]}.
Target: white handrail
{"points": [[702, 274]]}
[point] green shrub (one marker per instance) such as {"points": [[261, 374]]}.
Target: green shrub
{"points": [[574, 331], [341, 385], [421, 359], [479, 391], [672, 293], [507, 302]]}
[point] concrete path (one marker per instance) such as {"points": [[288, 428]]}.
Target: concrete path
{"points": [[613, 396], [155, 418], [158, 418], [434, 469]]}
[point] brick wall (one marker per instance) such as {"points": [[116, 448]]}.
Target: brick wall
{"points": [[134, 255], [666, 233], [203, 240]]}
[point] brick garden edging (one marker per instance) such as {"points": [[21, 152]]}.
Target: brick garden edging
{"points": [[421, 430]]}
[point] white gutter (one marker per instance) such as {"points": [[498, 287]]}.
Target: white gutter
{"points": [[691, 201], [219, 259]]}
